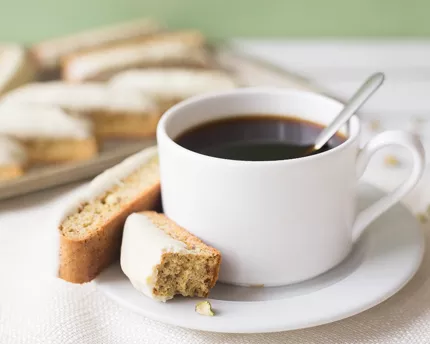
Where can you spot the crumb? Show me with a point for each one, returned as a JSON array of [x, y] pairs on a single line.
[[422, 217], [257, 285], [375, 125], [391, 160], [204, 308]]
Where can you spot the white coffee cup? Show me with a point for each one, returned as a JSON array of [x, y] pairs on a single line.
[[275, 222]]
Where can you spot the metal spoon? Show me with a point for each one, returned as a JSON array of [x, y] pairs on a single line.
[[357, 100]]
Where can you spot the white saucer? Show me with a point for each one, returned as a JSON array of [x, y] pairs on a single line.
[[382, 262]]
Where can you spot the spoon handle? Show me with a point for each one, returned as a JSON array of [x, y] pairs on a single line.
[[358, 99]]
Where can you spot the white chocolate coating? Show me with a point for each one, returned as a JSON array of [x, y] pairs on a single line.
[[143, 245], [12, 59], [153, 52], [50, 52], [11, 152], [180, 83], [85, 97], [25, 121]]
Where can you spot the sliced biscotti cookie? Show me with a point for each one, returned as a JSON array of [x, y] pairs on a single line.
[[184, 48], [16, 67], [13, 158], [48, 54], [172, 85], [91, 228], [162, 259], [119, 113], [49, 134]]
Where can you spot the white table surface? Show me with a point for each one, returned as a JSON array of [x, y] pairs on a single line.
[[339, 66]]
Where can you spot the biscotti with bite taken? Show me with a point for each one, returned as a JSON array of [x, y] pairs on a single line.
[[91, 228], [116, 113], [162, 259], [172, 49]]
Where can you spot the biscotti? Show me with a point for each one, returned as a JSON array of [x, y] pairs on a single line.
[[115, 112], [91, 228], [48, 133], [184, 48], [48, 54], [172, 85], [13, 158], [162, 259], [16, 67]]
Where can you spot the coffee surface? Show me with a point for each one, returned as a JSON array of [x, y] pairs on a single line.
[[255, 138]]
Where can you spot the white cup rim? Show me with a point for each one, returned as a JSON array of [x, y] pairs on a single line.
[[166, 117]]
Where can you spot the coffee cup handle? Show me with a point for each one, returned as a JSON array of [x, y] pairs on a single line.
[[388, 138]]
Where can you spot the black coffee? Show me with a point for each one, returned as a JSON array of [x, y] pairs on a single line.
[[255, 138]]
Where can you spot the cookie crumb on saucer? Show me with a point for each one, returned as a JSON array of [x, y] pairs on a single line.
[[391, 161], [204, 308]]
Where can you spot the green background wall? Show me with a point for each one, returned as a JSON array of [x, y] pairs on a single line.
[[31, 20]]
